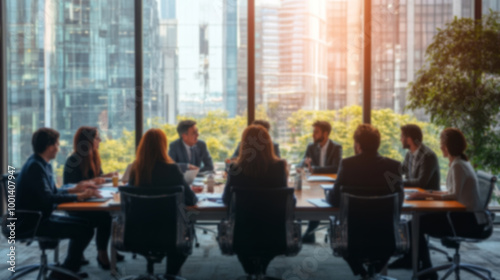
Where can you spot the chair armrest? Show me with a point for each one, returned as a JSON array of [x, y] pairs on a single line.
[[225, 237], [338, 237], [22, 216], [402, 238]]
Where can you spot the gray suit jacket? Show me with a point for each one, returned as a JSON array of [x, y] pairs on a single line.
[[179, 154], [426, 174]]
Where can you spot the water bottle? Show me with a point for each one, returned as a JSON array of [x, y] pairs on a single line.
[[210, 183], [298, 181]]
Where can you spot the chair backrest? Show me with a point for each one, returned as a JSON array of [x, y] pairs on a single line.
[[263, 220], [372, 224], [152, 218], [486, 185]]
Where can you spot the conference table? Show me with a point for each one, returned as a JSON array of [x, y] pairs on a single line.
[[206, 210]]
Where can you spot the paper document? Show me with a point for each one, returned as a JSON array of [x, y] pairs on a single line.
[[328, 187], [319, 202], [190, 175]]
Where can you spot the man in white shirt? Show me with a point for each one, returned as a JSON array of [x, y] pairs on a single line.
[[322, 157]]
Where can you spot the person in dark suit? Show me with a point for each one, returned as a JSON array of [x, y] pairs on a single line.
[[36, 191], [420, 165], [322, 156], [85, 164], [256, 167], [188, 151], [370, 170], [267, 126], [154, 168]]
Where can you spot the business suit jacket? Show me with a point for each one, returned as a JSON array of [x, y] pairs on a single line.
[[168, 175], [276, 147], [275, 177], [36, 190], [73, 174], [367, 170], [426, 174], [332, 161], [179, 154]]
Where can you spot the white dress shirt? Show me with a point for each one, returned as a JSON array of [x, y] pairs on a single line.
[[322, 157], [188, 150]]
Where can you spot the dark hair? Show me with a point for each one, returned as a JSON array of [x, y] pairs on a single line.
[[413, 131], [454, 140], [43, 138], [324, 126], [184, 126], [264, 123], [368, 138], [83, 146]]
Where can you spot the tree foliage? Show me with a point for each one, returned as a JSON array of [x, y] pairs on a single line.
[[459, 85]]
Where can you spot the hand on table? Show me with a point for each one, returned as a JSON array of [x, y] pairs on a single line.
[[82, 186], [88, 193], [192, 167], [98, 180]]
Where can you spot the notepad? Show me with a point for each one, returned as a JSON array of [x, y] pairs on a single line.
[[320, 179], [319, 202], [407, 205], [410, 190]]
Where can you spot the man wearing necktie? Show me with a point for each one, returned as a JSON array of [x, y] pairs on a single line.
[[189, 152]]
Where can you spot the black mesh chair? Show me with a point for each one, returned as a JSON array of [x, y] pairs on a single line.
[[482, 221], [260, 225], [153, 223], [368, 229]]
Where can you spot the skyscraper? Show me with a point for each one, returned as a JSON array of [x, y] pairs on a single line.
[[71, 63]]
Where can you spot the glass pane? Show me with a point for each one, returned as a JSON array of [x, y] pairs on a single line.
[[70, 64], [195, 66], [402, 31], [308, 60]]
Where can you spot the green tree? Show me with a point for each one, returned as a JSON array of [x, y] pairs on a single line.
[[459, 85]]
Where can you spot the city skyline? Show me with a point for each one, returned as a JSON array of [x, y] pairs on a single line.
[[78, 57]]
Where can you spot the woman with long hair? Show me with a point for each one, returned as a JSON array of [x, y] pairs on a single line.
[[85, 164], [462, 186], [256, 166], [153, 167]]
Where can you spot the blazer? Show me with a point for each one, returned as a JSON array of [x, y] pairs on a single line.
[[426, 174], [276, 147], [72, 173], [179, 154], [275, 177], [367, 170], [36, 190], [332, 161], [168, 175]]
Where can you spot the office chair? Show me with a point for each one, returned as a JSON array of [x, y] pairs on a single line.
[[153, 223], [483, 231], [369, 230], [260, 230], [26, 233]]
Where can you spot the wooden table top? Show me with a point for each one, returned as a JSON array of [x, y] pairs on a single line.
[[309, 191]]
